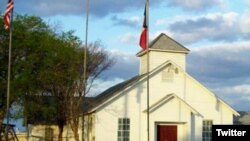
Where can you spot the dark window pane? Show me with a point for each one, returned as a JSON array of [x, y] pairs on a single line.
[[207, 130], [123, 129], [120, 121]]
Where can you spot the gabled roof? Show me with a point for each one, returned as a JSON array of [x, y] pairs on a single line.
[[168, 98], [92, 102], [165, 43], [161, 43], [107, 93]]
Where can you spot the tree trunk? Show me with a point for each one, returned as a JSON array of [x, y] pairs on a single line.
[[76, 135], [74, 127], [2, 131], [75, 115], [60, 135]]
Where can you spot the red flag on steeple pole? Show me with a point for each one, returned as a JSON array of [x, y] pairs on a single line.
[[143, 37], [144, 45]]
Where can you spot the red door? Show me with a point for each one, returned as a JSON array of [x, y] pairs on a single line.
[[167, 133]]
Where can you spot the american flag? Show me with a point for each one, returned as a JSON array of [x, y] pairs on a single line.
[[7, 14]]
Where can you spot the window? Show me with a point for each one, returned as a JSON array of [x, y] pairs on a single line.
[[123, 129], [207, 130], [169, 73], [167, 76], [48, 134]]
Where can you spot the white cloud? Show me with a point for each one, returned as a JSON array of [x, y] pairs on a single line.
[[157, 33], [237, 96], [134, 19], [224, 68], [230, 18], [247, 1], [220, 62], [240, 90], [195, 5], [231, 48], [128, 38], [99, 8], [126, 65], [161, 22], [124, 56], [245, 22], [209, 27], [101, 85]]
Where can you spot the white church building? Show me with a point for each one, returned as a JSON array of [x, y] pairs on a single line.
[[179, 108]]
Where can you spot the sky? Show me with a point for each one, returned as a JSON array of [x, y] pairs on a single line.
[[217, 33]]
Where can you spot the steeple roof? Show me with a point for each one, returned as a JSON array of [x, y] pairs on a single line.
[[165, 43]]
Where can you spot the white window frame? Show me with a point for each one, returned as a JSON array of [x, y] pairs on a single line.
[[123, 133], [207, 130]]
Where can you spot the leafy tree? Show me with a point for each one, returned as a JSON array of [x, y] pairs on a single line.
[[26, 51], [46, 64], [43, 63]]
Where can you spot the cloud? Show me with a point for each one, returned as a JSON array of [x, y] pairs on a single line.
[[247, 1], [101, 85], [105, 7], [130, 22], [101, 8], [209, 27], [126, 66], [98, 8], [161, 22], [243, 89], [222, 62], [238, 95], [195, 5], [224, 68], [245, 22], [50, 8], [128, 38]]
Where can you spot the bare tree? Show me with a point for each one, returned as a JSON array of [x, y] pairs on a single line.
[[98, 60]]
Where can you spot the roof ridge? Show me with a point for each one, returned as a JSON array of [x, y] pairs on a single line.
[[167, 44]]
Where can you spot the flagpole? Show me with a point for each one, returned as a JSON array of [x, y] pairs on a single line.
[[86, 45], [147, 50], [85, 59], [8, 79]]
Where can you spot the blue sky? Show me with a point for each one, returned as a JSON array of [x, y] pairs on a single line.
[[217, 32]]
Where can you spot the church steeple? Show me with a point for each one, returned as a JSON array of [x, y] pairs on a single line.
[[162, 49]]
